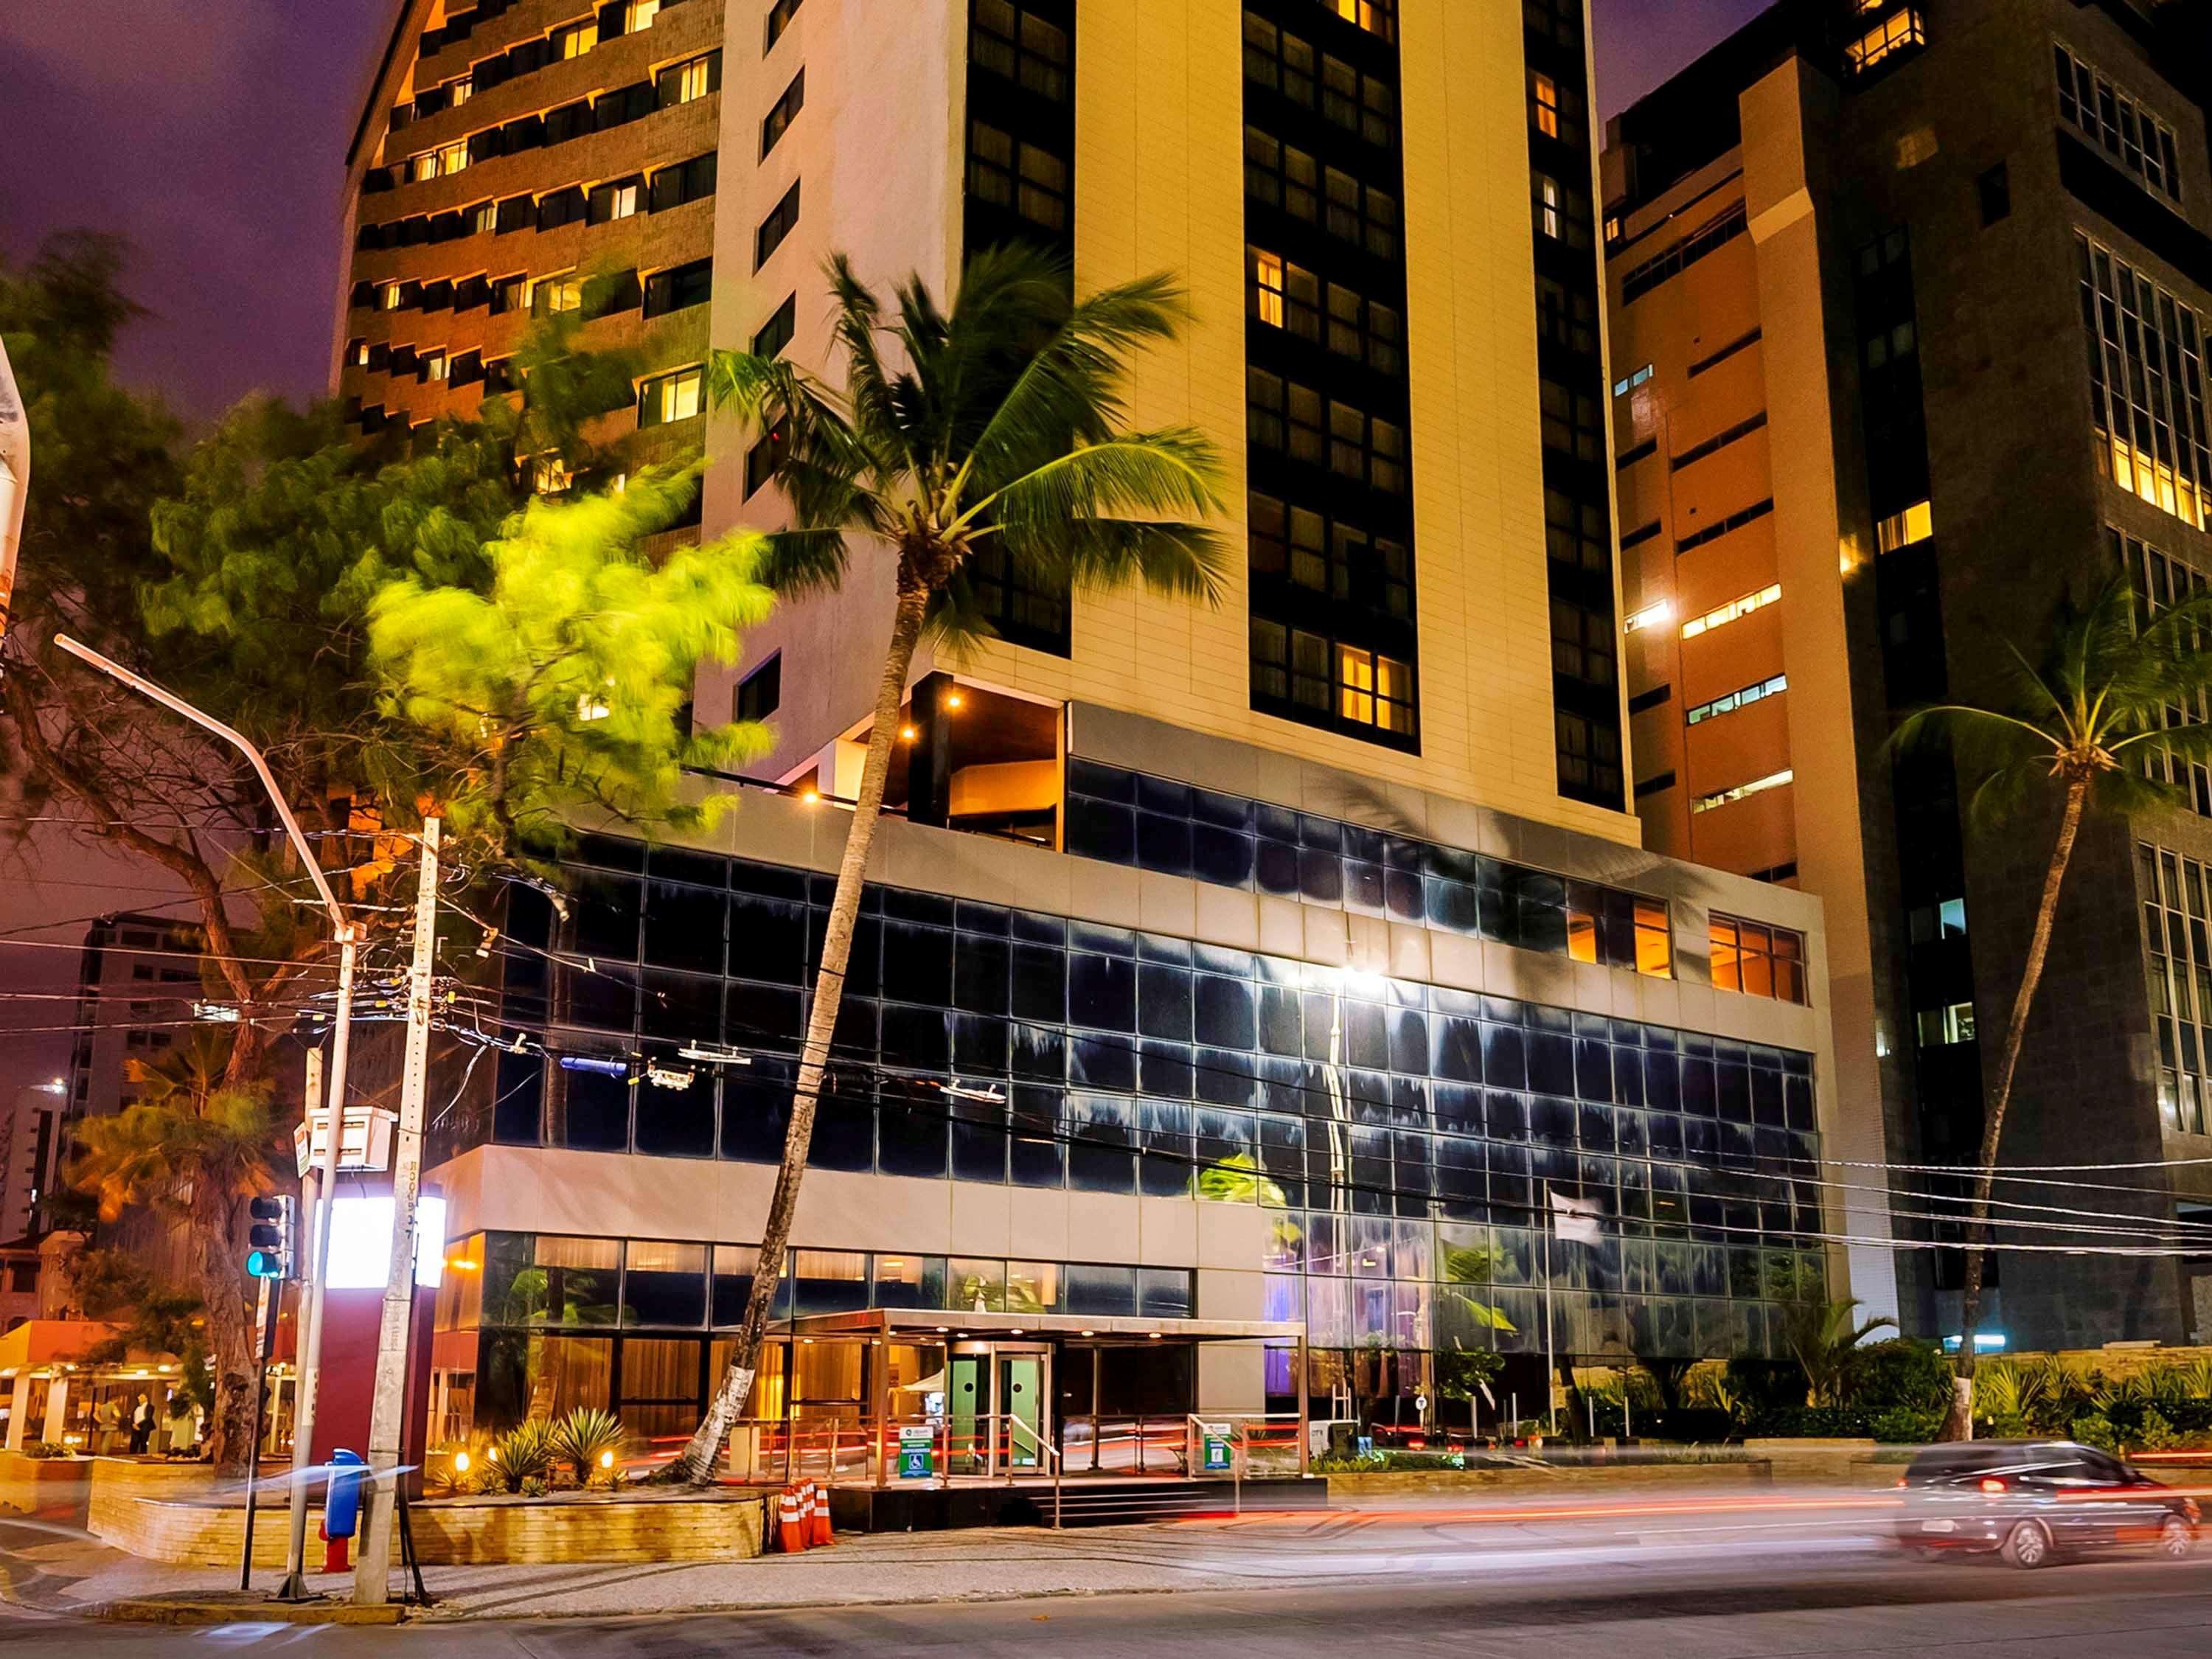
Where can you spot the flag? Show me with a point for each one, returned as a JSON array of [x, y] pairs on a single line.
[[1575, 1218]]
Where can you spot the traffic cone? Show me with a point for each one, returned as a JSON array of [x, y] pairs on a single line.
[[818, 1528], [791, 1522]]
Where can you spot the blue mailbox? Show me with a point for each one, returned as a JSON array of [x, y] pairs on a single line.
[[341, 1499]]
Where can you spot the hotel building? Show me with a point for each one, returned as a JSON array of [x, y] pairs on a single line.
[[1238, 983]]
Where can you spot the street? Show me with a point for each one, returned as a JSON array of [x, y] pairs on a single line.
[[1658, 1580]]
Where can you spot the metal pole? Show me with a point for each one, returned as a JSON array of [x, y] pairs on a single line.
[[265, 1335], [372, 1572], [307, 1373]]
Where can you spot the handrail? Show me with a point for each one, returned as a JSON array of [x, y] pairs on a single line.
[[1050, 1451]]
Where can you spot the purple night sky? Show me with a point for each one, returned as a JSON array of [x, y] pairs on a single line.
[[212, 135]]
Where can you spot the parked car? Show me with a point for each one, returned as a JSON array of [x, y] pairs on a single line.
[[2031, 1500]]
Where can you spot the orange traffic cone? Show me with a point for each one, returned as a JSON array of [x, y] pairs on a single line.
[[791, 1522], [818, 1528]]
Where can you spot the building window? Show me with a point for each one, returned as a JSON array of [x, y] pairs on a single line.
[[2178, 974], [1720, 527], [1281, 415], [1895, 35], [778, 225], [1735, 700], [1715, 233], [1622, 388], [1649, 616], [1619, 930], [1939, 1027], [2109, 117], [679, 288], [1566, 319], [1337, 683], [1917, 523], [783, 113], [777, 332], [639, 14], [683, 182], [1724, 613], [1582, 642], [1373, 689], [1589, 753], [552, 295], [2160, 582], [618, 199], [1721, 798], [1329, 557], [1020, 176], [671, 396], [508, 294], [1561, 212], [1376, 16], [1019, 42], [575, 40], [1573, 424], [694, 78], [1278, 61], [779, 19], [765, 458], [1555, 109], [2146, 385], [1758, 960], [1575, 533], [760, 694], [431, 365], [1282, 175], [1994, 189]]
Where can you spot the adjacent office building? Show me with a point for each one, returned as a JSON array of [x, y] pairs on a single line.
[[1238, 983], [1908, 306]]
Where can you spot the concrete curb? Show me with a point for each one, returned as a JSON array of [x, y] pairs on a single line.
[[154, 1610]]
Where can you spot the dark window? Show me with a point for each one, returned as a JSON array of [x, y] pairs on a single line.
[[1021, 177], [1995, 188], [776, 333], [779, 19], [1651, 699], [761, 692], [1652, 786], [1017, 42], [686, 182], [762, 459], [777, 226], [783, 113], [679, 288]]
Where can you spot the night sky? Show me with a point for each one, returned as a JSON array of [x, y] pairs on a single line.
[[212, 133]]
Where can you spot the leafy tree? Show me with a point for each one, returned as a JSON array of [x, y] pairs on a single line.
[[998, 425], [246, 575], [2079, 723]]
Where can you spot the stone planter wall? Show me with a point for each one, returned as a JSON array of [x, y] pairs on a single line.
[[1521, 1481], [46, 1487]]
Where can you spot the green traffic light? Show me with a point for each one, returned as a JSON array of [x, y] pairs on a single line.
[[265, 1264]]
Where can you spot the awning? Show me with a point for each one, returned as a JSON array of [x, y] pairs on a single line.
[[928, 1324]]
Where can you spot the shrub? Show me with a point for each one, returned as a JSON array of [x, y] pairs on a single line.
[[2011, 1427], [535, 1487], [1761, 1386], [2094, 1430], [43, 1449], [1905, 1425], [2155, 1434], [584, 1438], [1898, 1375], [524, 1453]]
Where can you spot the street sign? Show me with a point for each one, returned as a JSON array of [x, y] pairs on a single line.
[[917, 1451], [1217, 1447], [366, 1144]]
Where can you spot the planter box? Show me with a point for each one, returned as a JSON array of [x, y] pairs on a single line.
[[1385, 1483], [48, 1486]]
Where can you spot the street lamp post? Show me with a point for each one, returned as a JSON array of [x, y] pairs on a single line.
[[294, 1586], [15, 480]]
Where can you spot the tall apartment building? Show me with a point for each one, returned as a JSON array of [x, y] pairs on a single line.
[[1907, 305], [1234, 977], [30, 1153]]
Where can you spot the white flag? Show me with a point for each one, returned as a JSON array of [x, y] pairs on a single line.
[[1575, 1218]]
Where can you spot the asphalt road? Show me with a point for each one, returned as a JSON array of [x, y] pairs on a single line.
[[1613, 1605]]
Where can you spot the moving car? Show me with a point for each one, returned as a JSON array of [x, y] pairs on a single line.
[[2030, 1500]]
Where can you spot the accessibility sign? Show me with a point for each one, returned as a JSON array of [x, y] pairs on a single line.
[[917, 1451]]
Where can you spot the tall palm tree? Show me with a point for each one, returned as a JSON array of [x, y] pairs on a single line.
[[2087, 723], [1820, 1336], [997, 424]]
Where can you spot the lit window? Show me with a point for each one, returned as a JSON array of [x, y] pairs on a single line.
[[452, 158], [1735, 608], [1743, 791], [422, 167], [1940, 1026], [551, 295], [1374, 690], [1268, 274], [1547, 104], [387, 297], [1884, 40], [550, 476], [462, 90], [1551, 200], [666, 397], [433, 366], [692, 83], [1758, 960], [1649, 616], [1622, 388], [1735, 700], [576, 39], [640, 15], [1915, 523], [1376, 16]]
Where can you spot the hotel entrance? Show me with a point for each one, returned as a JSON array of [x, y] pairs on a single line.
[[997, 1414]]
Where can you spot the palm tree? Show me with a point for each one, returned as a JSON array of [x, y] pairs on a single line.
[[997, 425], [2088, 722], [1820, 1336], [195, 1146]]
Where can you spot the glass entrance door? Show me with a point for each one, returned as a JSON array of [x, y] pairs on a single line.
[[995, 1408], [1021, 1404]]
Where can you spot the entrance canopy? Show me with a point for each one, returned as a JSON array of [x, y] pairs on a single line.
[[923, 1324]]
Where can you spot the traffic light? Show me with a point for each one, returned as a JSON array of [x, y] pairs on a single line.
[[274, 1236]]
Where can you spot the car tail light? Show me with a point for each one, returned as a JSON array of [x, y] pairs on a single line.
[[1992, 1484], [1902, 1483]]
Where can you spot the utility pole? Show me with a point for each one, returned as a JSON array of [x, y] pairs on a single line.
[[348, 936], [372, 1572]]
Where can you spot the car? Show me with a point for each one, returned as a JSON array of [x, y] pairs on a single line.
[[2031, 1501]]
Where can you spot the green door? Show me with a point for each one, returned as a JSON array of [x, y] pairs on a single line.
[[1021, 1397], [965, 1375]]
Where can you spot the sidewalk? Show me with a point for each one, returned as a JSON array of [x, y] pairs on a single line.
[[75, 1577]]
